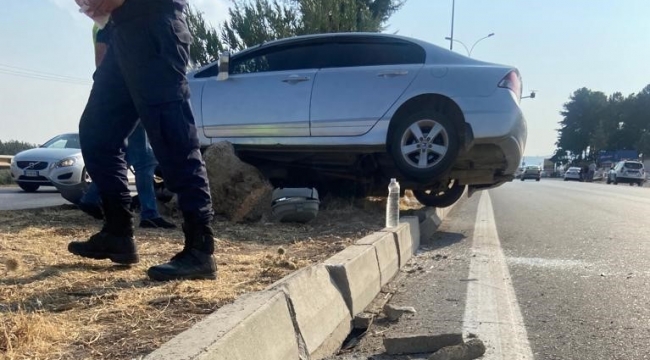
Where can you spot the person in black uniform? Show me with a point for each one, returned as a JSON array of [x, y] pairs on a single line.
[[143, 76]]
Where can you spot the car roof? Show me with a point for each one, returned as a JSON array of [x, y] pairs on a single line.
[[433, 52]]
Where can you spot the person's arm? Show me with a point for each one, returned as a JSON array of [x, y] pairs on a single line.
[[101, 40], [95, 8], [100, 52]]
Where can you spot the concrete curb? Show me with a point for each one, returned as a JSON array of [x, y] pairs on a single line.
[[308, 314]]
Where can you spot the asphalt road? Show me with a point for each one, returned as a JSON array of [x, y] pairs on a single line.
[[14, 198], [538, 270]]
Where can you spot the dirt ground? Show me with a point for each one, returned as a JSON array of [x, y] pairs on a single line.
[[57, 306]]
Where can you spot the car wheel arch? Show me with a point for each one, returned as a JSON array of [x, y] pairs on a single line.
[[432, 101]]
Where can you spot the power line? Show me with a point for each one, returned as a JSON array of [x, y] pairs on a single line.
[[39, 75]]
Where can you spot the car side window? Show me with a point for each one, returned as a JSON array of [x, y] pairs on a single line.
[[368, 53], [280, 58]]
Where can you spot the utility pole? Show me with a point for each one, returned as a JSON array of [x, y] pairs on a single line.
[[451, 38]]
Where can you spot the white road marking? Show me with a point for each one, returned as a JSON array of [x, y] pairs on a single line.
[[492, 311], [547, 263]]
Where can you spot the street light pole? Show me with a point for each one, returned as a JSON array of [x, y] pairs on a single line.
[[479, 40], [451, 39], [469, 51], [460, 42]]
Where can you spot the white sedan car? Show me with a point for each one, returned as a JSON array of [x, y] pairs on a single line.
[[57, 163], [573, 173], [355, 109], [59, 160]]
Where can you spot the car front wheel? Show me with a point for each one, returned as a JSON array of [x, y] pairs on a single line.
[[27, 187], [440, 198], [424, 145]]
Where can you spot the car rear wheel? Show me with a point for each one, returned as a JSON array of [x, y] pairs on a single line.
[[27, 187], [440, 198], [424, 145]]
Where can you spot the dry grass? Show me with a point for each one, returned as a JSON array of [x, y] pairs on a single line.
[[57, 306]]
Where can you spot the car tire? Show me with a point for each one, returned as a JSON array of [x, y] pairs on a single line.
[[440, 199], [522, 179], [566, 179], [27, 187], [406, 145]]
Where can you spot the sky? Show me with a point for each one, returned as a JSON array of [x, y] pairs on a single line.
[[557, 45]]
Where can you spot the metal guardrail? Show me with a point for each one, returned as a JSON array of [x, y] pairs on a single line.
[[5, 161]]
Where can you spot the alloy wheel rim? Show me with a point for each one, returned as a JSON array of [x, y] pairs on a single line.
[[424, 144]]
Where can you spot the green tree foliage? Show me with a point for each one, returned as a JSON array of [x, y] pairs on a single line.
[[13, 147], [593, 122], [253, 22], [325, 16], [206, 44], [258, 21]]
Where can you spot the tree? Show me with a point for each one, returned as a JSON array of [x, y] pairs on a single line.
[[593, 122], [254, 22], [582, 116], [258, 21], [206, 45], [643, 145], [13, 147], [324, 16]]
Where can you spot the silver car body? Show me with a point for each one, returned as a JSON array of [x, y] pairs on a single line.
[[58, 163], [41, 165], [628, 171], [573, 173], [352, 107]]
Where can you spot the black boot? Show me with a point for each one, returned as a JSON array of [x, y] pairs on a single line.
[[195, 261], [115, 240]]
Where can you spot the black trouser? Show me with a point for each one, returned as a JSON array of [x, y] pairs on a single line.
[[143, 77]]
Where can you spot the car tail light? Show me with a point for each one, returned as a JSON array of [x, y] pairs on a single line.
[[512, 81]]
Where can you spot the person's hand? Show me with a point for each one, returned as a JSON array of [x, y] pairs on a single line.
[[103, 7]]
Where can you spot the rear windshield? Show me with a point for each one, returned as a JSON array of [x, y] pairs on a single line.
[[633, 165]]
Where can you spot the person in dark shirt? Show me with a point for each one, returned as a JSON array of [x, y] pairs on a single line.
[[143, 76]]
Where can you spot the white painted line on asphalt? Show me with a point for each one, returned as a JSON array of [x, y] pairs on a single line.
[[492, 311]]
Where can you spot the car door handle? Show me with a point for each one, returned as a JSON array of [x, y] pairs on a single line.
[[295, 79], [393, 73]]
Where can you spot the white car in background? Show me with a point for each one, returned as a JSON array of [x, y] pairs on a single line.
[[59, 159], [573, 173], [628, 171], [57, 163]]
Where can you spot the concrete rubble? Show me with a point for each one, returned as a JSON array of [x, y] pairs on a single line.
[[394, 313], [469, 350], [418, 344]]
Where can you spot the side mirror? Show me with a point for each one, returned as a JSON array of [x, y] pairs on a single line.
[[224, 66]]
